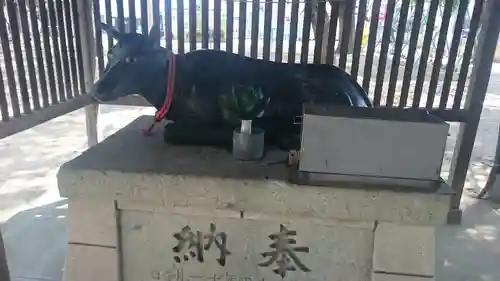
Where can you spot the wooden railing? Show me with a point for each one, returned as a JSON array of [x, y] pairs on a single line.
[[41, 59], [405, 53], [417, 53], [434, 55]]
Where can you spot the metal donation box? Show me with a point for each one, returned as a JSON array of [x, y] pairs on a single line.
[[372, 145]]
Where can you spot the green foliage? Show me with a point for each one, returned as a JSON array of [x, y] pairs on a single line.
[[243, 103]]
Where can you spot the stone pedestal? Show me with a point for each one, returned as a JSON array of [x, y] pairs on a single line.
[[140, 209]]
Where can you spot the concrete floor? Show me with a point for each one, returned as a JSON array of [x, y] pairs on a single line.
[[33, 216], [470, 252]]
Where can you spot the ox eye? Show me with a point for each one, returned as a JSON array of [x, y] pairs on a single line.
[[130, 60]]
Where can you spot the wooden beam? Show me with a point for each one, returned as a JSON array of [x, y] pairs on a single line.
[[478, 85], [492, 177], [35, 118], [85, 10], [4, 268], [91, 123]]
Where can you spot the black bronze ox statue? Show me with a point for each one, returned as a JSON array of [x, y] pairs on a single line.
[[213, 91]]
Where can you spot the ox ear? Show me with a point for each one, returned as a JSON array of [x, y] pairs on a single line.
[[111, 31], [155, 34]]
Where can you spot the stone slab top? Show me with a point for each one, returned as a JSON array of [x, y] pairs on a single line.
[[128, 151], [129, 166]]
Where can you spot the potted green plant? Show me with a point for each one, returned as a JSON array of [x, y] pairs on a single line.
[[243, 104]]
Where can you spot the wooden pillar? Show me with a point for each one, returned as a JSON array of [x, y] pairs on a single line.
[[153, 15], [91, 123], [478, 84], [4, 268], [85, 10], [492, 187]]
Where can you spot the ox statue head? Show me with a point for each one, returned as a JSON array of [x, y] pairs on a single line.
[[133, 61]]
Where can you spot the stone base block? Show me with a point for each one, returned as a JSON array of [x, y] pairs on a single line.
[[92, 222], [165, 246], [404, 250], [84, 263]]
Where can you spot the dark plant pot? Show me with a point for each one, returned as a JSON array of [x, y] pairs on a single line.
[[248, 146]]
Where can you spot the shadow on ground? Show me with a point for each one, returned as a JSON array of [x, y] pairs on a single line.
[[30, 159], [33, 213], [36, 242], [470, 252]]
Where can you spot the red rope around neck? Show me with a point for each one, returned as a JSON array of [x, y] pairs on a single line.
[[160, 114]]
